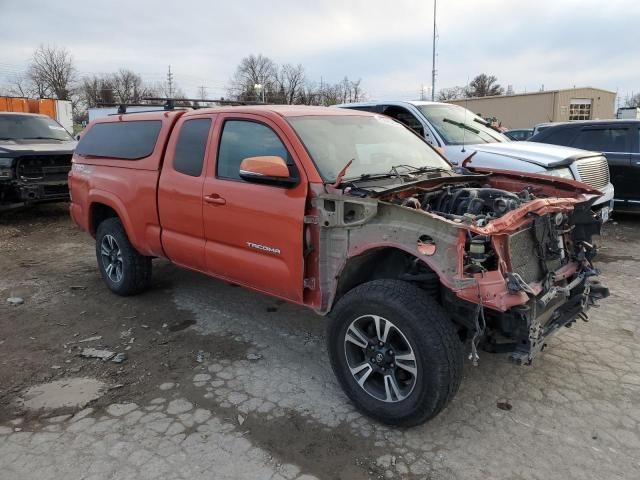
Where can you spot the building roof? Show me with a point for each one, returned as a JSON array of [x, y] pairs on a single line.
[[543, 92]]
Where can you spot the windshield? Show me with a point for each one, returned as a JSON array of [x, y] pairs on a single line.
[[376, 144], [21, 127], [458, 126]]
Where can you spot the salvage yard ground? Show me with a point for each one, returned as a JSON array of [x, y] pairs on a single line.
[[215, 381]]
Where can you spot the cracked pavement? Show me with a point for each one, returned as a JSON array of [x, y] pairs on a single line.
[[267, 404]]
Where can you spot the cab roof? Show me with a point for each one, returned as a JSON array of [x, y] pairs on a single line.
[[280, 110]]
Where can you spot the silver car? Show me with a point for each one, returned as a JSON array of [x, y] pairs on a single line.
[[458, 133]]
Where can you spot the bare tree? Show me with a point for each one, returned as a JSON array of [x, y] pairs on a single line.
[[52, 72], [25, 85], [633, 101], [162, 90], [484, 85], [20, 86], [128, 87], [96, 89], [332, 94], [254, 70], [288, 84], [291, 81], [345, 91], [309, 94], [446, 94], [357, 94]]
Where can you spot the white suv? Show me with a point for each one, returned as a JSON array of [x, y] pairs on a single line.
[[459, 132]]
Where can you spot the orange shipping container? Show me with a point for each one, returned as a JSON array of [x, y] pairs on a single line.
[[44, 106], [14, 104]]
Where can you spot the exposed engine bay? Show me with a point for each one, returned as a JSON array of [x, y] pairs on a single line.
[[476, 199], [481, 204]]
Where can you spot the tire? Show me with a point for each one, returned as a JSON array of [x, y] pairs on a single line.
[[132, 271], [415, 318]]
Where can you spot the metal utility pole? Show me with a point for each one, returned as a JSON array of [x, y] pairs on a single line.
[[170, 82], [433, 70], [203, 92]]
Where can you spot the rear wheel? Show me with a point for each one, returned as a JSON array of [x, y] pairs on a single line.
[[395, 352], [123, 269]]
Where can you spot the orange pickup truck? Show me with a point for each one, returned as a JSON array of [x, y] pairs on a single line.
[[355, 216]]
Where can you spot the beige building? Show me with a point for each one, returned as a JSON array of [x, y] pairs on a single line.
[[524, 110]]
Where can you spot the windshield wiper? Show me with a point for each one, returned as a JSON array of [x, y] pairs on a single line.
[[414, 169], [461, 125], [394, 172], [341, 174]]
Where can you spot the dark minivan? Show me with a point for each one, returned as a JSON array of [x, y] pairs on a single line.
[[619, 140]]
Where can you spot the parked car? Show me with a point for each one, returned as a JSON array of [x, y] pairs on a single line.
[[618, 140], [519, 134], [541, 127], [354, 216], [459, 133], [35, 159]]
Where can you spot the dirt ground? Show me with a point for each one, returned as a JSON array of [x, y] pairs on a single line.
[[578, 407], [51, 264]]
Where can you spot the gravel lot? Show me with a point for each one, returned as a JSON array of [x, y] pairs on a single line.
[[220, 382]]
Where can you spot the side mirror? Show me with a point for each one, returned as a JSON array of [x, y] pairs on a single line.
[[266, 169], [78, 137]]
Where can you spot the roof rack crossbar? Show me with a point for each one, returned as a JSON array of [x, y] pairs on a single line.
[[172, 103]]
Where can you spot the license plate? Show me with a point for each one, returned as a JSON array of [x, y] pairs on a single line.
[[604, 214]]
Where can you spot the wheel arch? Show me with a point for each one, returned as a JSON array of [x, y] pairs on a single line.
[[103, 205], [380, 262]]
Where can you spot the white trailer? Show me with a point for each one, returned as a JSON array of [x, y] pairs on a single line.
[[64, 114], [629, 113]]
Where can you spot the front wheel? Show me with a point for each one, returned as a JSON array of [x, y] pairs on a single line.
[[395, 352], [123, 269]]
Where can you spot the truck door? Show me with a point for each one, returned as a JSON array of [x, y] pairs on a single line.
[[180, 191], [615, 143], [254, 232]]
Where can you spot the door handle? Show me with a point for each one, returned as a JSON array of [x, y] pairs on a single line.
[[214, 199]]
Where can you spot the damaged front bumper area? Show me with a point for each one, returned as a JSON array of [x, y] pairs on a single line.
[[547, 281], [562, 304], [33, 179]]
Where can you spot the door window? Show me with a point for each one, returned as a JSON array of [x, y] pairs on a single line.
[[131, 140], [603, 140], [560, 136], [405, 117], [243, 139], [191, 146]]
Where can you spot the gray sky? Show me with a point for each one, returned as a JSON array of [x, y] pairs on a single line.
[[558, 43]]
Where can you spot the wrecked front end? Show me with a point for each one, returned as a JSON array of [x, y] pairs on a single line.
[[28, 178], [520, 284], [508, 255]]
